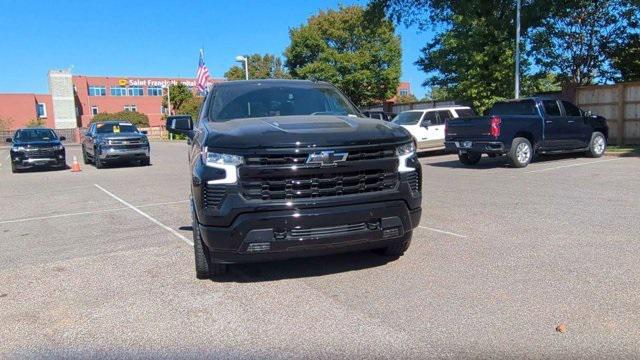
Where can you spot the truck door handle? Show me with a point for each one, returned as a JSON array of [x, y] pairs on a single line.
[[549, 121], [571, 121]]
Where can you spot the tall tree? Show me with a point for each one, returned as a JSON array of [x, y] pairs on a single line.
[[265, 66], [472, 56], [179, 93], [626, 58], [359, 55], [576, 41]]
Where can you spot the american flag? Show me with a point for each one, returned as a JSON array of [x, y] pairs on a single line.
[[202, 77]]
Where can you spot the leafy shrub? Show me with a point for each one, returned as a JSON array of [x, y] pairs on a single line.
[[34, 123], [133, 117]]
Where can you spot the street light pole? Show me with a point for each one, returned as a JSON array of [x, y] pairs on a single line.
[[241, 58], [517, 90]]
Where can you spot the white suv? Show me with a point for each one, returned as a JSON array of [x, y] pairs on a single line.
[[427, 125]]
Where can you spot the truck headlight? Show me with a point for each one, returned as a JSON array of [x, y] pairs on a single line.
[[18, 148], [227, 162], [58, 147], [404, 152]]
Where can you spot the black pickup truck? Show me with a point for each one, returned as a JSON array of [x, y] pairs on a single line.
[[289, 168], [115, 141], [522, 128]]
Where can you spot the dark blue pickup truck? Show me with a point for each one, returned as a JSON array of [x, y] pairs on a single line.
[[522, 128]]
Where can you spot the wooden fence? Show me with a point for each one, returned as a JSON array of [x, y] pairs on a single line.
[[620, 104]]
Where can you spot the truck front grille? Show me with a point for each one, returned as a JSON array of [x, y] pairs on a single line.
[[300, 158], [40, 152], [212, 195], [326, 231], [319, 185]]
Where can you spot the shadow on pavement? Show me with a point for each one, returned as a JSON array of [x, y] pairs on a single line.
[[303, 267], [502, 161]]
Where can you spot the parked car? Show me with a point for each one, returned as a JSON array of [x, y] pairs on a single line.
[[380, 115], [115, 141], [522, 128], [291, 168], [427, 125], [36, 147]]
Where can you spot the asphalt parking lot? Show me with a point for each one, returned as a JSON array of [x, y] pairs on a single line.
[[100, 263]]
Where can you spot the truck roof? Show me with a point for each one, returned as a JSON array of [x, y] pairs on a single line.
[[270, 82]]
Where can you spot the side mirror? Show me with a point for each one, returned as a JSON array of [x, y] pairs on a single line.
[[9, 140], [426, 123], [87, 134], [144, 132], [63, 138], [180, 124], [588, 113]]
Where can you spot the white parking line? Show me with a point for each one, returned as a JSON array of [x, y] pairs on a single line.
[[180, 236], [572, 165], [442, 231], [86, 212]]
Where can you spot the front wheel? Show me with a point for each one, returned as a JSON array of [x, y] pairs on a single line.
[[205, 268], [146, 161], [469, 158], [597, 146], [97, 161], [85, 157], [521, 152]]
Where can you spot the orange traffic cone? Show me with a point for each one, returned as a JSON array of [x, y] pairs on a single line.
[[75, 167]]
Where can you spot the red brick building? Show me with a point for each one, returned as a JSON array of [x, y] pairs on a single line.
[[74, 99]]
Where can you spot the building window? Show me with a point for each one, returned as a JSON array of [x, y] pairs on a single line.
[[41, 110], [97, 91], [404, 92], [94, 110], [154, 91], [133, 108], [127, 91]]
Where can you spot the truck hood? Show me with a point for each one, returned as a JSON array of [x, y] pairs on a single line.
[[303, 131]]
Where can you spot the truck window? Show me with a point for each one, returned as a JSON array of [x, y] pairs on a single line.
[[465, 113], [431, 116], [522, 107], [443, 116], [408, 118], [551, 107], [570, 109]]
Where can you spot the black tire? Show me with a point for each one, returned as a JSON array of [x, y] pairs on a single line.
[[96, 160], [146, 161], [396, 249], [470, 158], [521, 152], [597, 145], [205, 269], [14, 169], [85, 157]]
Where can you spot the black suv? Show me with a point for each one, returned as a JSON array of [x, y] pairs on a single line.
[[37, 147], [115, 141], [284, 168]]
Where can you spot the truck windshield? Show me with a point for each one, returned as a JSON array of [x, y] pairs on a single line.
[[256, 99], [523, 107], [407, 118], [35, 135], [115, 128]]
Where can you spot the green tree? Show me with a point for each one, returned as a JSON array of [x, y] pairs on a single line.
[[136, 118], [358, 54], [191, 107], [626, 58], [35, 123], [472, 55], [405, 99], [179, 93], [265, 66], [576, 42]]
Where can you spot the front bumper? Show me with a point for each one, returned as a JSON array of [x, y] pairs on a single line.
[[23, 160], [265, 236], [485, 147], [112, 153]]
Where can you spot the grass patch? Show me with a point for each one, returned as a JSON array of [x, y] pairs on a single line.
[[624, 149]]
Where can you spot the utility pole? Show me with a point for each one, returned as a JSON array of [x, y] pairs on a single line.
[[517, 90]]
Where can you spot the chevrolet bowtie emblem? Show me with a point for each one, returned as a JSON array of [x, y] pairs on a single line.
[[327, 158]]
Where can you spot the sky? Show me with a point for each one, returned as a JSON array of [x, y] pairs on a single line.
[[155, 38]]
